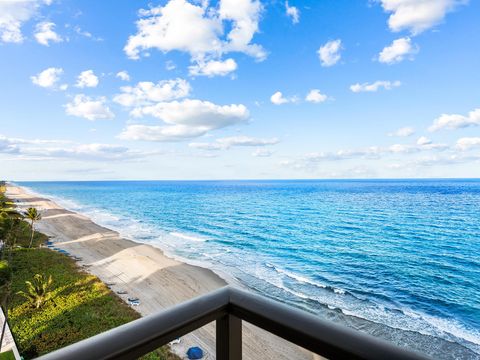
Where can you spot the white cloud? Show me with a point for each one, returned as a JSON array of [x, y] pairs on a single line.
[[87, 79], [292, 12], [262, 153], [123, 75], [48, 78], [89, 108], [423, 140], [213, 68], [13, 14], [96, 152], [244, 16], [198, 30], [467, 143], [373, 87], [329, 53], [417, 15], [403, 132], [184, 119], [315, 96], [45, 32], [228, 142], [370, 153], [397, 51], [59, 149], [147, 93], [86, 34], [456, 121], [278, 98], [6, 146]]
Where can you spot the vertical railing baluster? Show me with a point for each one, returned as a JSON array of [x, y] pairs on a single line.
[[229, 338]]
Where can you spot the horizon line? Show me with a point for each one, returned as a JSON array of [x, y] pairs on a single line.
[[253, 179]]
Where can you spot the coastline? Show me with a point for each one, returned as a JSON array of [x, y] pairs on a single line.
[[146, 272]]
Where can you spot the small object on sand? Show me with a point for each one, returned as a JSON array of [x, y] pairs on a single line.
[[195, 353], [175, 342], [133, 301]]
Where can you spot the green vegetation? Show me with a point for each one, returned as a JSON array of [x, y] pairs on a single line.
[[51, 302], [82, 305], [7, 355], [38, 290]]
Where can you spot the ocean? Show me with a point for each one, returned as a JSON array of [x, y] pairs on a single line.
[[398, 259]]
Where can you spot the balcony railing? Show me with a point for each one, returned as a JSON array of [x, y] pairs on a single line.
[[228, 307]]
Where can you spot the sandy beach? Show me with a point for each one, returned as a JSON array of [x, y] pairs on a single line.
[[145, 272]]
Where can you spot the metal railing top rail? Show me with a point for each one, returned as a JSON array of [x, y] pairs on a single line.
[[227, 305]]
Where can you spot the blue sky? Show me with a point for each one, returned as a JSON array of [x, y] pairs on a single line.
[[236, 89]]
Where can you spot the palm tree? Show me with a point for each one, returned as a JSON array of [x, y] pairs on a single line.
[[38, 291], [33, 215]]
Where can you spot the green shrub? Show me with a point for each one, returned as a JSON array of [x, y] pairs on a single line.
[[7, 355], [82, 305], [5, 272]]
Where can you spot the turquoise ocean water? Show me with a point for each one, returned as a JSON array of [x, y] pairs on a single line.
[[397, 259]]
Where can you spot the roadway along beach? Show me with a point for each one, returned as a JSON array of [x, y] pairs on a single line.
[[144, 271]]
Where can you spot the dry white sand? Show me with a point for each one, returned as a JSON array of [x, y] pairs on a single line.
[[144, 271]]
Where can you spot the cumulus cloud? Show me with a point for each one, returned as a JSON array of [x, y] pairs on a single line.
[[198, 30], [233, 141], [147, 93], [292, 12], [13, 14], [123, 75], [213, 68], [87, 79], [278, 98], [456, 121], [48, 78], [374, 87], [397, 51], [417, 15], [329, 53], [184, 119], [467, 143], [89, 108], [315, 96], [45, 33], [403, 132]]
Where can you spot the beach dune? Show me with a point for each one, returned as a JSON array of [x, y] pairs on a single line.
[[145, 272]]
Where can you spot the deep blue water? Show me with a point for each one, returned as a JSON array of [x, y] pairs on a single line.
[[397, 259]]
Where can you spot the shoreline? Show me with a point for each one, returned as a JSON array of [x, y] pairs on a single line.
[[62, 203], [146, 272]]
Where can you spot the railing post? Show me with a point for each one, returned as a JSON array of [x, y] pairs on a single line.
[[229, 338]]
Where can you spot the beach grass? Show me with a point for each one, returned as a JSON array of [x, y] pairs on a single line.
[[82, 306]]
